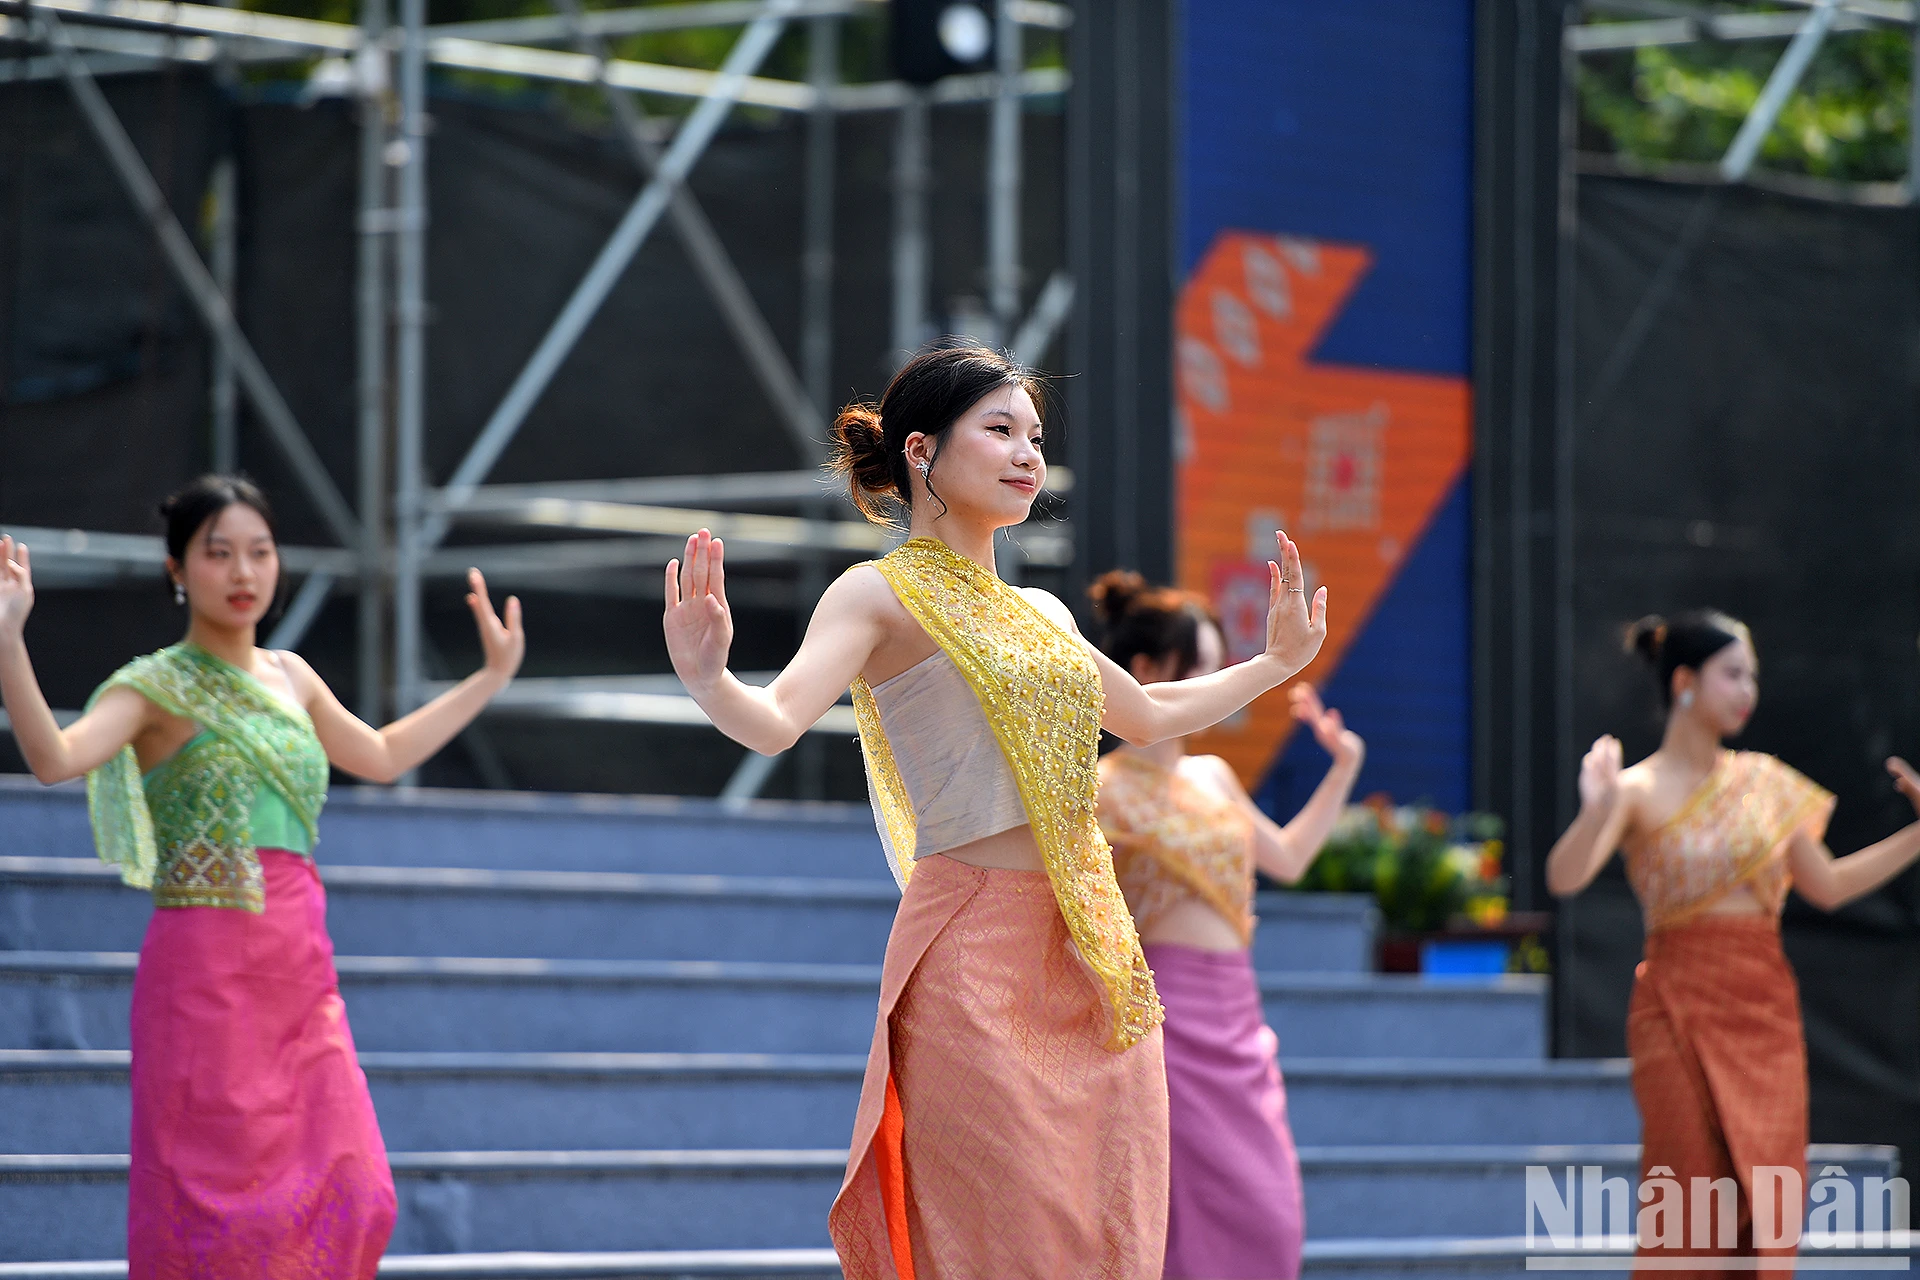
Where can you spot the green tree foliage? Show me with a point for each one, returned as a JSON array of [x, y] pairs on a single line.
[[1849, 121]]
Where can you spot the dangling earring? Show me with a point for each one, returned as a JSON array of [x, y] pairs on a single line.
[[179, 593], [1686, 699], [924, 467]]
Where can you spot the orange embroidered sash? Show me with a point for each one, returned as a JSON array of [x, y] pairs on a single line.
[[1173, 842]]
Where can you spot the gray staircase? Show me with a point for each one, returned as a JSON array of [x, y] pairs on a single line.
[[613, 1037]]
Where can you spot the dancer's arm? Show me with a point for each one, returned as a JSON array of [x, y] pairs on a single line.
[[52, 753], [381, 755], [1285, 852], [1146, 714], [845, 629], [1831, 883], [1606, 809]]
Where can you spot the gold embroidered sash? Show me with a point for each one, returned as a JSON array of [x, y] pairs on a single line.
[[1041, 695], [1733, 831], [1172, 843], [188, 837]]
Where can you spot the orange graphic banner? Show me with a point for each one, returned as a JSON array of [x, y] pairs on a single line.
[[1352, 462]]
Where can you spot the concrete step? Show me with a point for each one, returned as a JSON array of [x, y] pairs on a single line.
[[64, 999], [1441, 1258], [70, 903], [71, 1101], [499, 830], [468, 1202], [1482, 1190], [484, 1201], [734, 1264], [1435, 1258]]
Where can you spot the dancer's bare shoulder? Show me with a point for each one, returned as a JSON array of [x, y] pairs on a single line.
[[1051, 608], [1638, 790], [895, 641]]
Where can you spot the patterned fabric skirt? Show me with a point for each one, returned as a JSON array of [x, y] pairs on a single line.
[[1236, 1210], [255, 1150], [997, 1136], [1720, 1075]]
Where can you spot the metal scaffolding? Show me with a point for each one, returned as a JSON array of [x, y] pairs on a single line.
[[390, 541]]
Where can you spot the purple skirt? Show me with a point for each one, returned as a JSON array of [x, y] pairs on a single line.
[[1236, 1211]]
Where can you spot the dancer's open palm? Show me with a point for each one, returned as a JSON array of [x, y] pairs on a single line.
[[1600, 773], [16, 586], [1906, 780], [504, 642], [698, 623], [1294, 632], [1328, 726]]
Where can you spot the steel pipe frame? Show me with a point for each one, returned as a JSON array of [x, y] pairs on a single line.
[[641, 217], [648, 18], [1670, 23], [733, 491], [255, 36], [715, 266], [201, 288], [241, 35], [1781, 83]]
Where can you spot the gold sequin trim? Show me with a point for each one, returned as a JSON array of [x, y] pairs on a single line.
[[1041, 695]]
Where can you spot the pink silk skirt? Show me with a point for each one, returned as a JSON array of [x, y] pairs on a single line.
[[997, 1136], [255, 1150], [1235, 1210]]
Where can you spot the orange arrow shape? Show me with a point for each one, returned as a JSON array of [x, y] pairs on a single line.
[[1351, 462]]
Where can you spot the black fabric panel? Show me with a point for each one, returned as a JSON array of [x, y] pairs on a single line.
[[521, 200], [103, 365], [1759, 452]]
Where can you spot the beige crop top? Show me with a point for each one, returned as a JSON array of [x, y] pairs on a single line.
[[953, 768]]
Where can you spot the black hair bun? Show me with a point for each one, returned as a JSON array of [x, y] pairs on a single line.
[[1648, 637], [1114, 592]]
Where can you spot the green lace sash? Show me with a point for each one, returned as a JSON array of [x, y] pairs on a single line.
[[188, 836]]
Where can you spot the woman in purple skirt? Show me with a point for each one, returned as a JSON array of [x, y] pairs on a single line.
[[1186, 839]]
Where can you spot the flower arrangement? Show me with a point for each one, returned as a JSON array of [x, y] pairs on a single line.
[[1425, 869]]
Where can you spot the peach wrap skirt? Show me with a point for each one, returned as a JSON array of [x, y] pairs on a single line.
[[997, 1136], [1719, 1070]]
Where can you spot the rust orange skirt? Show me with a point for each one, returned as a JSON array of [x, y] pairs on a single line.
[[1719, 1067], [996, 1133]]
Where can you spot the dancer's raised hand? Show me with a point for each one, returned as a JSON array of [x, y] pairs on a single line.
[[16, 587], [1906, 780], [504, 643], [1600, 774], [1294, 632], [1329, 727], [698, 623]]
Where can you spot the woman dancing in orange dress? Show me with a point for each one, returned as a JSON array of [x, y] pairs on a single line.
[[1013, 1121], [1712, 840]]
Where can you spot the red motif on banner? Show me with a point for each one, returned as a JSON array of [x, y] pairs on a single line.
[[1352, 462]]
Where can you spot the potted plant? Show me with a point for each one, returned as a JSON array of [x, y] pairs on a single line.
[[1437, 880]]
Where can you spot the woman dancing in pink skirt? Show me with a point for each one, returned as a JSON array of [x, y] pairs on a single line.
[[255, 1152], [1186, 839]]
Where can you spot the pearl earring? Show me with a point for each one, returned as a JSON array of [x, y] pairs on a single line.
[[1686, 699], [179, 594]]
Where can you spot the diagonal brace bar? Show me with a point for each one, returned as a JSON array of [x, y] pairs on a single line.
[[199, 284], [1780, 86], [642, 216], [710, 258]]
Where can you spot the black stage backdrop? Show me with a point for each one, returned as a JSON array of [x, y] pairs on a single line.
[[106, 367], [1745, 435]]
